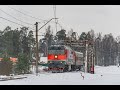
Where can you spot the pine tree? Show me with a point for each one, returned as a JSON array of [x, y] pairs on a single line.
[[22, 66]]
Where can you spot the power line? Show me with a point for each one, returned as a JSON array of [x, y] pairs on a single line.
[[15, 18], [26, 14], [13, 22], [7, 25], [54, 8]]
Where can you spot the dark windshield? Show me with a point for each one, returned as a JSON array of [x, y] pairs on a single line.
[[56, 50]]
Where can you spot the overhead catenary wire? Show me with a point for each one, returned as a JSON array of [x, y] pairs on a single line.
[[28, 29], [29, 15], [15, 18], [26, 14], [11, 21], [14, 22], [56, 21]]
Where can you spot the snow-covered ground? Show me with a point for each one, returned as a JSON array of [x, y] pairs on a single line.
[[103, 76]]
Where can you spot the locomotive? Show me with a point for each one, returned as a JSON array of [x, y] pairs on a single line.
[[62, 58]]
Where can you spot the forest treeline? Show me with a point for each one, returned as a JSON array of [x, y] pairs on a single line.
[[15, 42]]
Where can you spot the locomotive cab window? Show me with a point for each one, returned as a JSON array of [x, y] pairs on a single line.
[[56, 50]]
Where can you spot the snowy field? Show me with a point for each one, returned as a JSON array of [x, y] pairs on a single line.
[[103, 76]]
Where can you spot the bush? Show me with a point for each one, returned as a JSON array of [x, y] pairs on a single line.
[[22, 66], [6, 66]]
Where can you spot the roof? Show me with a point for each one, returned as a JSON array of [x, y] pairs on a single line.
[[11, 58]]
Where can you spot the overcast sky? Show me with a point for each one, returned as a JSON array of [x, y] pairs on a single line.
[[81, 18]]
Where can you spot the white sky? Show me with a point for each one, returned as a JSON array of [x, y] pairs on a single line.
[[100, 18]]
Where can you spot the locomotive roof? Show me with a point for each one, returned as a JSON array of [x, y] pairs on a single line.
[[78, 52], [66, 47]]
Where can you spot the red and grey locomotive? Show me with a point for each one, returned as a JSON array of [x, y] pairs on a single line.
[[62, 58]]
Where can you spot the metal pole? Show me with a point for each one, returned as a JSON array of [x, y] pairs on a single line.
[[37, 54], [86, 56], [93, 64], [93, 58], [54, 8]]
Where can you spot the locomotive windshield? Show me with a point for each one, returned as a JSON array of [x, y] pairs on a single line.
[[56, 50]]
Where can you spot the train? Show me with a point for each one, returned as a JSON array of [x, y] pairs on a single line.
[[62, 58]]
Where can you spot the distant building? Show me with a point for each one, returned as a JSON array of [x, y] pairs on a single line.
[[14, 60]]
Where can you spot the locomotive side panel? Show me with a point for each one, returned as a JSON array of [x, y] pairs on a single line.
[[79, 61], [70, 58], [79, 58]]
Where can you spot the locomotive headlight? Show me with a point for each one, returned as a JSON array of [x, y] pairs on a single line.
[[60, 62], [56, 56]]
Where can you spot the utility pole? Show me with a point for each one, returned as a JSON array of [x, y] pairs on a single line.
[[54, 8], [37, 54], [92, 61], [93, 58], [86, 45]]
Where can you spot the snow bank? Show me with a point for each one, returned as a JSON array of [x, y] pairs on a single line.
[[103, 76], [107, 70]]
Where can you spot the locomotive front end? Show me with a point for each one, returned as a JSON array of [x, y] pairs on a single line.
[[56, 58]]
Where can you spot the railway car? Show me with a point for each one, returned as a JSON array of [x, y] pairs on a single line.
[[62, 58]]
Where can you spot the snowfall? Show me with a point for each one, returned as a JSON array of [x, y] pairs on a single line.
[[103, 76]]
